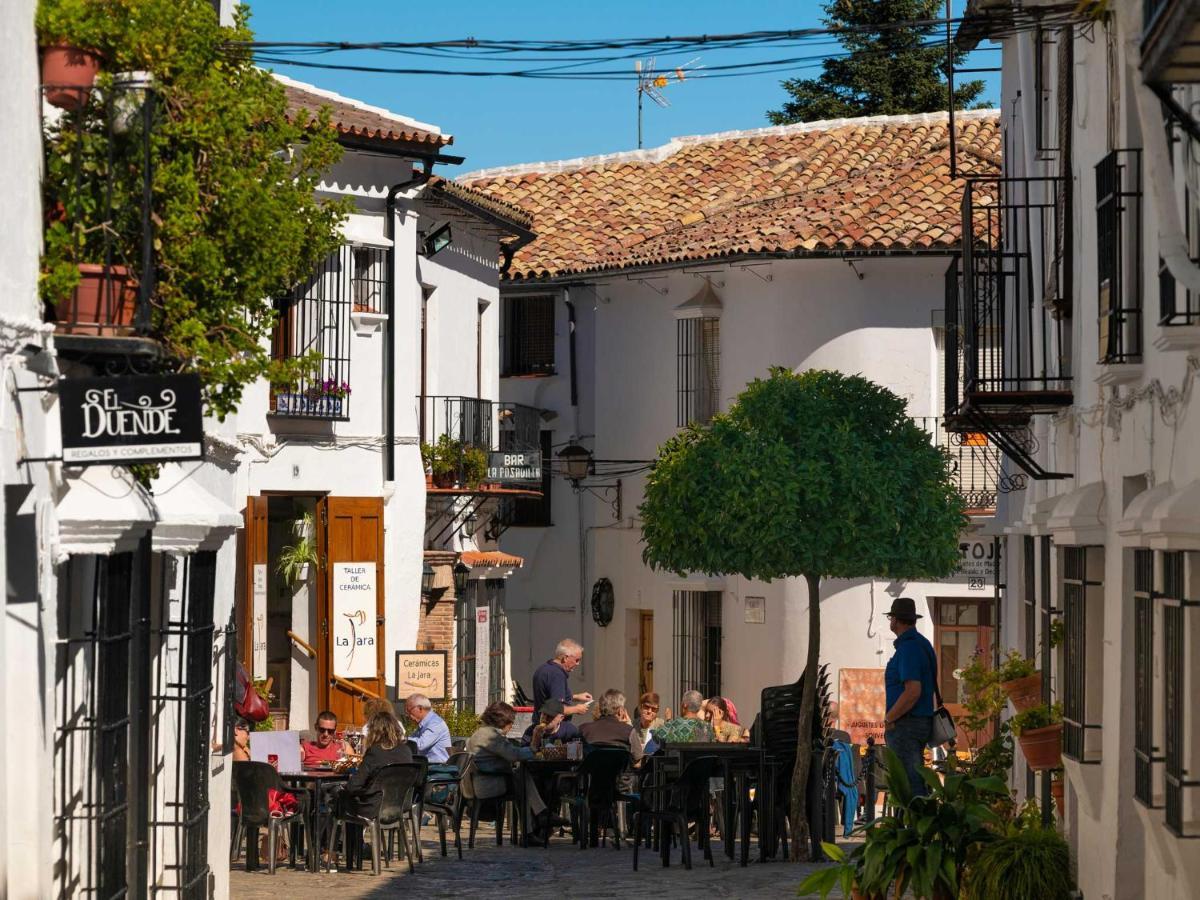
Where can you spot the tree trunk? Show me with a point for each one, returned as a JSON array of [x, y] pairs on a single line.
[[808, 702]]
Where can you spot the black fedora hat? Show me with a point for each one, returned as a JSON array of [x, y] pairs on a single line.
[[904, 608]]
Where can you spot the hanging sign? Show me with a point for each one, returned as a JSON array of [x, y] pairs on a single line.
[[483, 657], [133, 419], [421, 672], [354, 608], [259, 621], [515, 468]]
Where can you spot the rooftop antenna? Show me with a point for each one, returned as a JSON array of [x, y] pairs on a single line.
[[651, 83]]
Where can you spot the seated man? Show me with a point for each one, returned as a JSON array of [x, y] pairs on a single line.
[[690, 727], [326, 748], [551, 727], [613, 728], [432, 734]]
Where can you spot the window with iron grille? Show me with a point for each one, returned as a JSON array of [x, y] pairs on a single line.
[[536, 512], [1029, 564], [697, 640], [1181, 730], [314, 324], [1178, 305], [527, 336], [1083, 620], [698, 368], [1045, 82], [1119, 255], [368, 286], [481, 594], [1147, 743]]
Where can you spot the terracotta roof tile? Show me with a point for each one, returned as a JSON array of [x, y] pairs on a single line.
[[354, 119], [850, 184]]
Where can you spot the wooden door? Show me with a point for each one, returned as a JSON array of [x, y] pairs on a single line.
[[961, 629], [646, 653], [252, 628], [350, 659]]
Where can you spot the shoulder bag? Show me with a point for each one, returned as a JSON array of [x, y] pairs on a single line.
[[943, 730]]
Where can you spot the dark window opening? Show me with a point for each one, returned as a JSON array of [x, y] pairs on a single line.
[[698, 363], [481, 594], [527, 341], [1083, 626], [1146, 747], [1179, 731], [697, 638], [537, 512], [1119, 255]]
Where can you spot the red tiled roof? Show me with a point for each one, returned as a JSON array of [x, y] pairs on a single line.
[[491, 559], [354, 119], [480, 200], [850, 185]]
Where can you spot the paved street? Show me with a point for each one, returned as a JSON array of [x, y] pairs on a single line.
[[562, 870]]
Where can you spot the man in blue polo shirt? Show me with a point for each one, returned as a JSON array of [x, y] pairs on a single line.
[[550, 680], [908, 682]]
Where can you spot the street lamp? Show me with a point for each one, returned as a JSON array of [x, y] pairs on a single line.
[[427, 580], [577, 463], [461, 574]]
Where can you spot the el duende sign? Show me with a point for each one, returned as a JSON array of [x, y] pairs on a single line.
[[139, 418], [354, 650]]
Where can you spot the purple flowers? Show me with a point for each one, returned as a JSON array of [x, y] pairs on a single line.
[[332, 388]]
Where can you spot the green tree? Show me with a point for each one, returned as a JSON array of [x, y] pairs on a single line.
[[234, 205], [814, 475], [886, 70]]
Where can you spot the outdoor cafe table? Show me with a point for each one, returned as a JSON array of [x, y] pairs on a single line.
[[316, 782], [539, 770], [738, 762]]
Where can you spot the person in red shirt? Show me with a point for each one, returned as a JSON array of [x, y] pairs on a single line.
[[326, 748]]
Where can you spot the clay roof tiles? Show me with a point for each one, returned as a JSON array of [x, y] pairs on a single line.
[[849, 185]]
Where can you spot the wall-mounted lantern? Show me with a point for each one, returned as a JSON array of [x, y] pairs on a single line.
[[461, 573], [427, 581], [577, 463]]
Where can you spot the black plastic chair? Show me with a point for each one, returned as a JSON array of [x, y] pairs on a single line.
[[397, 782], [596, 792], [253, 781], [683, 800], [474, 803], [447, 811]]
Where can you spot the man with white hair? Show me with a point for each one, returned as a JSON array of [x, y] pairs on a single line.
[[432, 734], [689, 727], [614, 727], [550, 679]]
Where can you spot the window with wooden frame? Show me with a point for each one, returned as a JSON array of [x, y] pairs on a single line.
[[1147, 712], [1180, 599], [698, 369], [1083, 664], [527, 336]]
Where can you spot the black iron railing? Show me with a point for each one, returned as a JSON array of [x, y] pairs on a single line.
[[1082, 593], [527, 340], [976, 461], [1146, 750], [487, 424], [1119, 255], [97, 197], [698, 369], [1177, 305], [1179, 747], [1015, 286], [314, 324]]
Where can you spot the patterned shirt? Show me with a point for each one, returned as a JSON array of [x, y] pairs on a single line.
[[683, 731]]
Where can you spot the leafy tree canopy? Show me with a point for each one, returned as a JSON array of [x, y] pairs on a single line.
[[237, 221], [884, 72], [815, 473]]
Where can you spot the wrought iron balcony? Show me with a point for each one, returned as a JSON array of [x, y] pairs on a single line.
[[99, 263], [486, 424], [1119, 255], [976, 460], [1170, 41]]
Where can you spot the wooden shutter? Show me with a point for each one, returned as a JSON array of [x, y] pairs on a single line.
[[351, 531]]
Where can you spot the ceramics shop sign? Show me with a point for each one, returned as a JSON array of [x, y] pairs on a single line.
[[861, 704], [515, 468], [483, 657], [134, 419], [977, 562], [421, 672], [259, 621], [354, 650]]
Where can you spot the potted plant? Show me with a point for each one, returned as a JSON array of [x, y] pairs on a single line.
[[295, 560], [474, 466], [1020, 679], [69, 61], [441, 460], [1026, 862], [1039, 732], [1057, 790]]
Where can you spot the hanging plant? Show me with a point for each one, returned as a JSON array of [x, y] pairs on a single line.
[[294, 559]]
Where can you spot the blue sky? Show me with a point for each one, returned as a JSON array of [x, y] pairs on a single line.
[[501, 121]]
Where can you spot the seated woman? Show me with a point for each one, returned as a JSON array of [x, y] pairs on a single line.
[[384, 746], [493, 756], [724, 731]]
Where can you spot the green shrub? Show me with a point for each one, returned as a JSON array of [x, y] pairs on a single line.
[[1015, 666], [1025, 864], [1038, 717]]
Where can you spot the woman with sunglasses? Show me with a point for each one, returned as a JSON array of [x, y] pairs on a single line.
[[645, 722]]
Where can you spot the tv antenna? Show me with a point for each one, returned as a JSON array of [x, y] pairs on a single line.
[[651, 83]]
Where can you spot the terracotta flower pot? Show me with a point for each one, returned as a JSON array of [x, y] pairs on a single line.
[[1056, 791], [443, 479], [68, 73], [1024, 693], [428, 480], [103, 302], [1042, 747]]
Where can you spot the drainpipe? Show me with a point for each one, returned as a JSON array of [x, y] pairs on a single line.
[[578, 493], [389, 367]]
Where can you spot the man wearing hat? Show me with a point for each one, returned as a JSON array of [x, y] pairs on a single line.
[[908, 682]]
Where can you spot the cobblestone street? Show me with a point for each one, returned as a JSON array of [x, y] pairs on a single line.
[[531, 874]]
